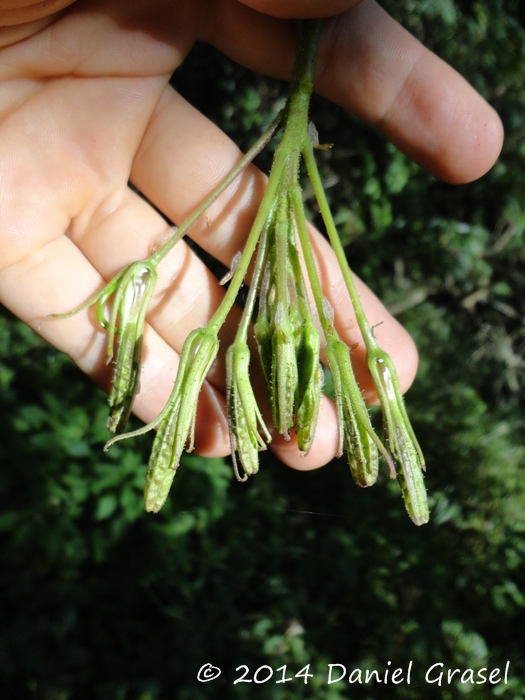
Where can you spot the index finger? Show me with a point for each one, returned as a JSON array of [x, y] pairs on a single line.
[[374, 68]]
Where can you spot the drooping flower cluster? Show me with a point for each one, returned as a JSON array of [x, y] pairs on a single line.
[[285, 331]]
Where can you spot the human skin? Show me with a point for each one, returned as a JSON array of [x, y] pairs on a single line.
[[85, 108]]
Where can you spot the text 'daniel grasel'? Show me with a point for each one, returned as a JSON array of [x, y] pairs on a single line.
[[437, 674]]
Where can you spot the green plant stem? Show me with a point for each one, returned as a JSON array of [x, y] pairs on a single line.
[[262, 217], [313, 173], [309, 261], [301, 86], [234, 173], [296, 134], [285, 168], [260, 260]]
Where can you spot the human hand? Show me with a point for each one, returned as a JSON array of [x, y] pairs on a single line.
[[85, 107]]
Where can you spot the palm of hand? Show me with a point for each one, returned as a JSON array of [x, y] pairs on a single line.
[[85, 107]]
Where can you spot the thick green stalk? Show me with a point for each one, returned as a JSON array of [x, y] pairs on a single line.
[[301, 86], [285, 168]]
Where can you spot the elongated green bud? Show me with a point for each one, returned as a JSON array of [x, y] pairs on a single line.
[[263, 331], [308, 346], [276, 331], [285, 376], [177, 427], [400, 435], [243, 412], [310, 385], [131, 291], [129, 312], [355, 429]]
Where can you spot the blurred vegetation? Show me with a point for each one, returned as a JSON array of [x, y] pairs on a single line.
[[99, 600]]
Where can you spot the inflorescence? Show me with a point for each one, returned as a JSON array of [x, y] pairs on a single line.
[[287, 337]]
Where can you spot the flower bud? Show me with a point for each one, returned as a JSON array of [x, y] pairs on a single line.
[[310, 385], [177, 426], [284, 372], [275, 335], [279, 321], [129, 312], [400, 435], [243, 412], [355, 430]]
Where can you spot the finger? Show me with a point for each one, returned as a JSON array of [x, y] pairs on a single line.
[[190, 160], [288, 9], [109, 38], [374, 68], [418, 101]]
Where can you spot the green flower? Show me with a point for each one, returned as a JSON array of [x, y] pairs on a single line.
[[307, 348], [400, 435], [276, 329], [131, 291], [127, 325], [287, 339], [356, 434], [177, 420], [285, 376], [310, 385], [243, 412]]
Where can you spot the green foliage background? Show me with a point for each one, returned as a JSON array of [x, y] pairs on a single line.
[[100, 600]]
